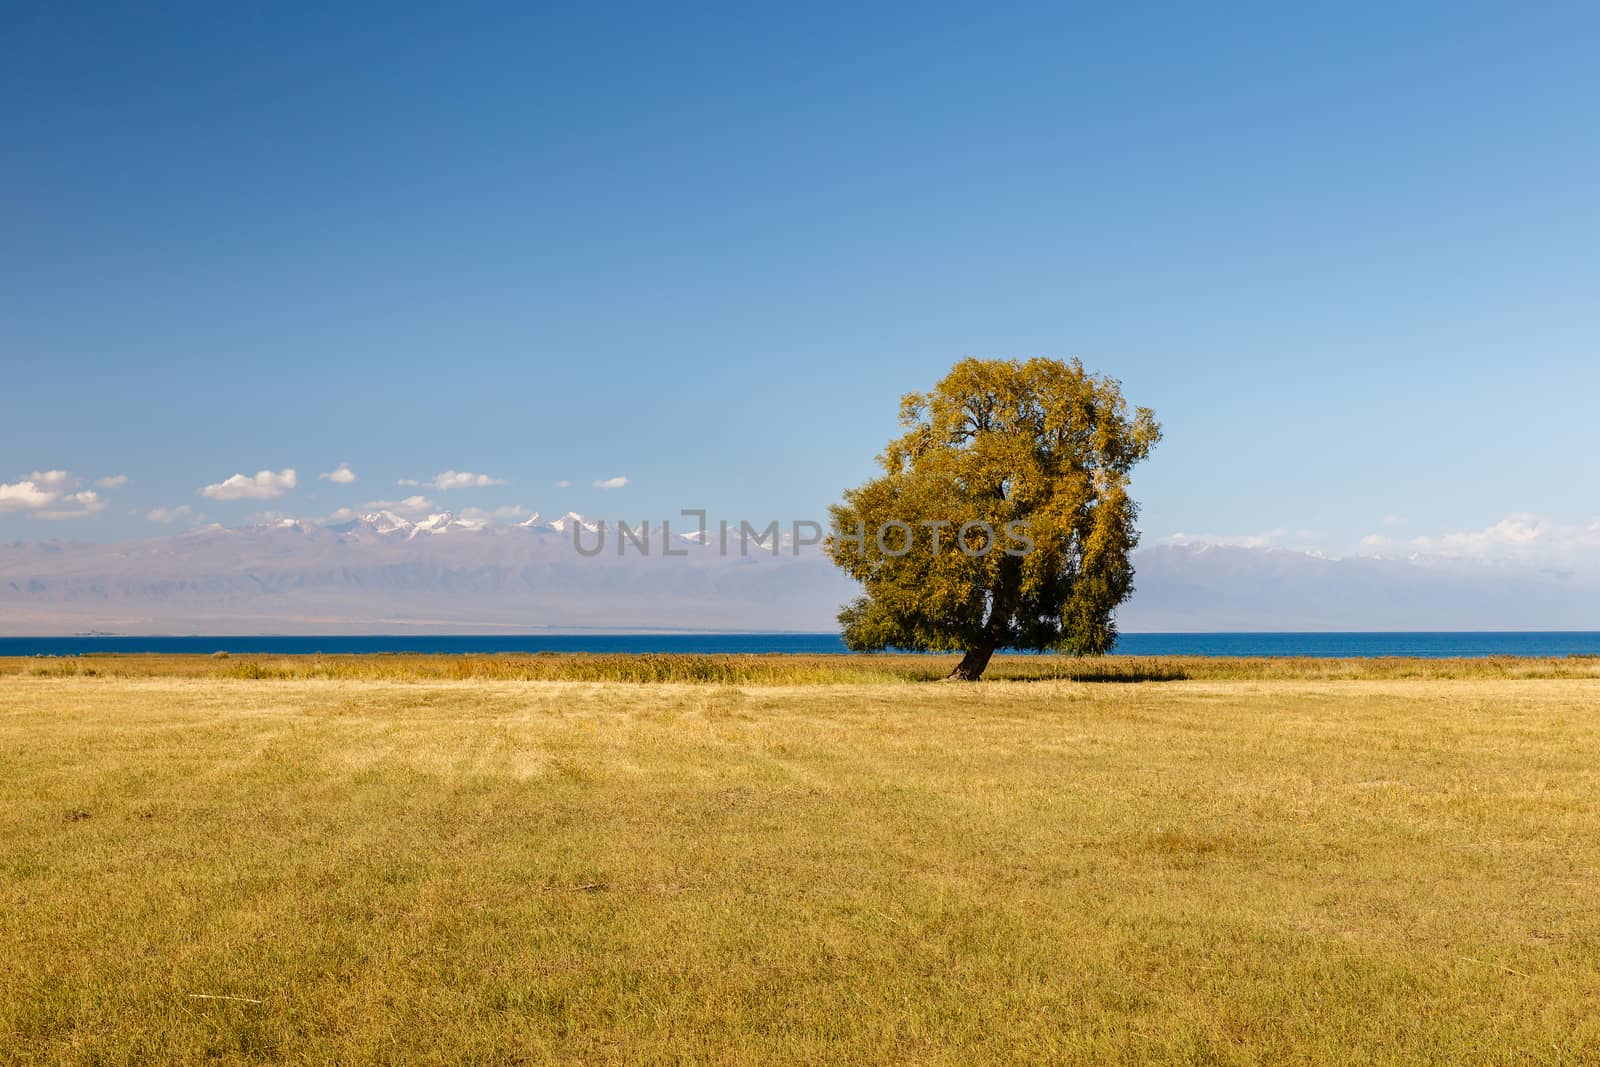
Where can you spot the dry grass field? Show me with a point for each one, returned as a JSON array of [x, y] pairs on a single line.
[[798, 860]]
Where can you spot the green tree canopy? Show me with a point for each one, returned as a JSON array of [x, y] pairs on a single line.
[[1032, 458]]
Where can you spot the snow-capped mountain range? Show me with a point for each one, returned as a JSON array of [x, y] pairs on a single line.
[[386, 523], [384, 572]]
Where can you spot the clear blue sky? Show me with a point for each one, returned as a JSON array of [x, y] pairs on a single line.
[[1349, 254]]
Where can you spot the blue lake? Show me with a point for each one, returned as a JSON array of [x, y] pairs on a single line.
[[1430, 645]]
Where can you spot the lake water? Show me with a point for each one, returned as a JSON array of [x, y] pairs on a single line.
[[1429, 645]]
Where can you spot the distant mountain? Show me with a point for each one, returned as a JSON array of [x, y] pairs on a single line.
[[386, 573], [383, 572], [1217, 588]]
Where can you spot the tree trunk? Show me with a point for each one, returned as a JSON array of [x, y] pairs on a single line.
[[972, 665]]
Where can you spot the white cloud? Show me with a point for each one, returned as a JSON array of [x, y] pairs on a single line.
[[1522, 537], [407, 481], [1518, 535], [75, 506], [612, 483], [25, 495], [263, 486], [510, 511], [49, 495], [563, 484], [182, 511], [464, 480], [1260, 540], [411, 505], [341, 515], [340, 475], [112, 481], [55, 481]]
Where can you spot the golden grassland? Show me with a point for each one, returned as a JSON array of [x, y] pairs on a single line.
[[798, 860], [782, 669]]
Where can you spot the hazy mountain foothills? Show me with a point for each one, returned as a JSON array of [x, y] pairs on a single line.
[[1221, 588], [386, 573]]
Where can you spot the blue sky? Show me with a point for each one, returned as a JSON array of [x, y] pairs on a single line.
[[1349, 254]]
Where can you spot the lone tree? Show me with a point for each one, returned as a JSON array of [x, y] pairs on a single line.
[[1002, 519]]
